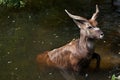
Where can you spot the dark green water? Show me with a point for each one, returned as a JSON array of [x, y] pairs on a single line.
[[24, 34]]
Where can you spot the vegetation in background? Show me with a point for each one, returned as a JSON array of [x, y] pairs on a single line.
[[13, 3], [115, 78]]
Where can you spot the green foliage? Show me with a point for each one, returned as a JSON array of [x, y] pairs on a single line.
[[113, 77], [13, 3]]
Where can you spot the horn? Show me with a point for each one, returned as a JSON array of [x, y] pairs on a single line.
[[75, 16], [95, 14]]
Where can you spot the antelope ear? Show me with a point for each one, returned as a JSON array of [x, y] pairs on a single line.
[[79, 23], [75, 17], [95, 14]]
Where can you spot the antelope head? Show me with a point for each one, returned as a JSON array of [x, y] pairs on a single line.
[[88, 27]]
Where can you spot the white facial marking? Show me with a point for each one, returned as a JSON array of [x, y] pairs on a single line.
[[96, 28], [101, 36]]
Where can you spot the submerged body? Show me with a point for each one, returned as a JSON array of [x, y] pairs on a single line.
[[70, 56]]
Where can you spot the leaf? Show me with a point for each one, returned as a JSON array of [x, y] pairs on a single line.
[[22, 4], [113, 77], [13, 3], [0, 1]]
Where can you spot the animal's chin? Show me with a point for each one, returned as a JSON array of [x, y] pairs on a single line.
[[96, 37], [100, 37]]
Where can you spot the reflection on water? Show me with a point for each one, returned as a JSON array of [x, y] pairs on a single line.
[[24, 34]]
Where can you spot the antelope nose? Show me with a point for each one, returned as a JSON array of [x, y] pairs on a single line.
[[101, 35]]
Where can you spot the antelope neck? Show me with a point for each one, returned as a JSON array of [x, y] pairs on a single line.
[[85, 42]]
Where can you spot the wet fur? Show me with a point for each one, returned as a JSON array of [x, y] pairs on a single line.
[[67, 57], [78, 53]]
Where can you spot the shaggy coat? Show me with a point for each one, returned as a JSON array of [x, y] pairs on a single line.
[[78, 53]]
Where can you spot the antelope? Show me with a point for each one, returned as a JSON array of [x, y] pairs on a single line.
[[79, 52]]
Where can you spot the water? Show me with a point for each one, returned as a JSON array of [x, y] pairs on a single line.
[[24, 34]]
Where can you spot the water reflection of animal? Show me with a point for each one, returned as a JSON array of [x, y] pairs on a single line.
[[78, 53], [68, 76]]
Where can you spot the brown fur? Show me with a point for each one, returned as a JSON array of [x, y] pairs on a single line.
[[78, 53]]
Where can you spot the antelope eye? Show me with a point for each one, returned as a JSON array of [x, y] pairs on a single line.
[[90, 27]]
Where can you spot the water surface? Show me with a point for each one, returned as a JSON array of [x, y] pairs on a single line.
[[24, 34]]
